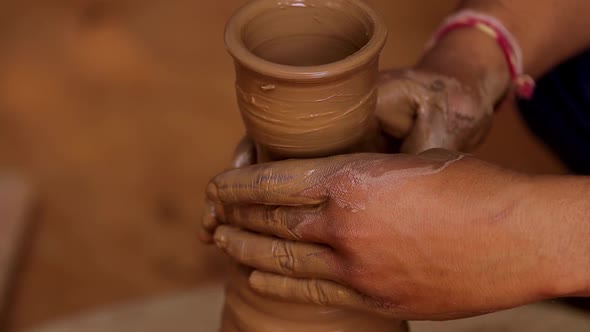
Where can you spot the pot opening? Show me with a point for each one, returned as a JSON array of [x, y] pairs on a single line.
[[299, 34]]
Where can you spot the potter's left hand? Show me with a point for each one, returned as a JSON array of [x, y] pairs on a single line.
[[244, 155], [433, 236]]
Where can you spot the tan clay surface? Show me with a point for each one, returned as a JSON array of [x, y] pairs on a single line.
[[121, 111], [296, 98]]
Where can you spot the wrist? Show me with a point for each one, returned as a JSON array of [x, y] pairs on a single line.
[[557, 213], [474, 59]]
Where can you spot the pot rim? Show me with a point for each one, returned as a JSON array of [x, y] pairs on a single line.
[[236, 47]]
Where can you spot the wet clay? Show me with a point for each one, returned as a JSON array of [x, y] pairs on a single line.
[[306, 74]]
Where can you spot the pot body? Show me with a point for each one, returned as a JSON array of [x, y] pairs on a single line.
[[308, 119], [306, 82]]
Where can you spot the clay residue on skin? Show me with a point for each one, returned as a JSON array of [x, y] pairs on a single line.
[[430, 110], [352, 175]]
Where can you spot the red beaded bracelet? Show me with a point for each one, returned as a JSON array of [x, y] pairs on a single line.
[[524, 84]]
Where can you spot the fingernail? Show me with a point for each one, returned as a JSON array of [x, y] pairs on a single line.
[[220, 238]]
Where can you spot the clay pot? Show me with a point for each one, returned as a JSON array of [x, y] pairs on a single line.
[[306, 74], [306, 86]]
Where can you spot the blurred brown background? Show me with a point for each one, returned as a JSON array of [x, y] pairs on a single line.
[[120, 111]]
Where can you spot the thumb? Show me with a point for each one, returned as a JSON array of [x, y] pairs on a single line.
[[409, 109], [430, 129], [453, 120], [396, 106]]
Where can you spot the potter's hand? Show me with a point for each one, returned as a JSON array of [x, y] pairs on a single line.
[[447, 99], [428, 110], [433, 236]]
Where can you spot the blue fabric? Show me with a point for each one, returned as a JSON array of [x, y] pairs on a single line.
[[559, 112]]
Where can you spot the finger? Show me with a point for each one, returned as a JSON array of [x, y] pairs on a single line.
[[276, 255], [291, 182], [308, 291], [395, 113], [209, 221], [244, 154], [332, 294], [291, 223], [207, 224], [397, 104], [451, 118], [212, 215]]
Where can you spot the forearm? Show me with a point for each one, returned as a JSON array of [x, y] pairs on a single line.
[[548, 32], [557, 212]]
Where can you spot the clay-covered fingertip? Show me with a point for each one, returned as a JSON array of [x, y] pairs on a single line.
[[221, 237], [211, 191], [209, 220]]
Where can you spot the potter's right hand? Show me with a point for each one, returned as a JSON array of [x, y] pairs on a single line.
[[435, 236], [428, 110]]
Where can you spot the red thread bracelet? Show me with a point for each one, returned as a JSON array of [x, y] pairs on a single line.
[[524, 84]]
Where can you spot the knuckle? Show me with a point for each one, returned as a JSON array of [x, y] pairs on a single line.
[[279, 219], [264, 174], [283, 255], [265, 180], [273, 216], [315, 293]]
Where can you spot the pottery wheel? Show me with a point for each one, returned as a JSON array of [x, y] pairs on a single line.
[[200, 310]]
